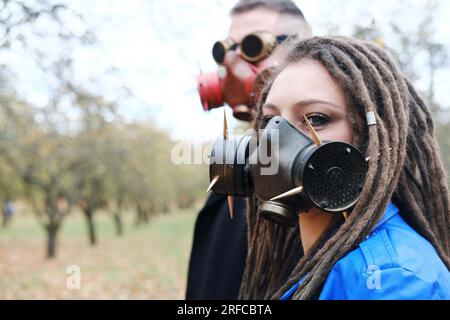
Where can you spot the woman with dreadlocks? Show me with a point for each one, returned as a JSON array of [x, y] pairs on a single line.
[[395, 243]]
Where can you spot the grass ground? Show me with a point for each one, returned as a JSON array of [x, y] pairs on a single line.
[[148, 262]]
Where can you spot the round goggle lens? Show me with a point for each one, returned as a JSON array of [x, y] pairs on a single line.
[[252, 46], [218, 52]]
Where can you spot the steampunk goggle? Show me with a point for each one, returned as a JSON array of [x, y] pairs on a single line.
[[253, 48]]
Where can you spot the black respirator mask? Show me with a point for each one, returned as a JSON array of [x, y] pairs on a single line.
[[287, 171]]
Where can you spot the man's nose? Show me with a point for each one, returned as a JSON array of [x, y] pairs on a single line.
[[237, 51], [230, 60]]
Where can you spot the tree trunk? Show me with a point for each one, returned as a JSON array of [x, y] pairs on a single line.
[[145, 216], [52, 232], [118, 223], [139, 217], [89, 213], [5, 219]]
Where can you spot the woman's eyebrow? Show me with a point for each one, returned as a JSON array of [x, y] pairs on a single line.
[[270, 106], [302, 103]]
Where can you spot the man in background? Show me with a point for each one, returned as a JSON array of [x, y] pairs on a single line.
[[219, 247]]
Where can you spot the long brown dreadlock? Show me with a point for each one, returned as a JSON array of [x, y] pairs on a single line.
[[408, 170]]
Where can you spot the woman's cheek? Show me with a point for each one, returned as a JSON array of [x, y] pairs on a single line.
[[339, 131], [345, 131]]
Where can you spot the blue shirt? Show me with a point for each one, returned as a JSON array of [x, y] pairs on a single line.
[[393, 262]]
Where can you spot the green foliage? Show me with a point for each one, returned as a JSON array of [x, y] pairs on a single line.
[[421, 57], [105, 163]]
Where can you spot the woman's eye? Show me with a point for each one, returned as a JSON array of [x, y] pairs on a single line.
[[317, 119], [267, 117], [264, 120]]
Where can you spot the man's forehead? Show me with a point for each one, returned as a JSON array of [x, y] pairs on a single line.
[[259, 19]]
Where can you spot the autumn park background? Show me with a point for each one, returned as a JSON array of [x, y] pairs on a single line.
[[95, 96]]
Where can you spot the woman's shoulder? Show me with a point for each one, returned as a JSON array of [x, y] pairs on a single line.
[[394, 262]]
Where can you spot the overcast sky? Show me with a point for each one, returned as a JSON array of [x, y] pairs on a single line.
[[156, 48]]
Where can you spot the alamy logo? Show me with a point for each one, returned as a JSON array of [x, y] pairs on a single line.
[[266, 153], [374, 279], [74, 279]]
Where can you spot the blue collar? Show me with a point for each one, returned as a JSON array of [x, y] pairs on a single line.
[[391, 211]]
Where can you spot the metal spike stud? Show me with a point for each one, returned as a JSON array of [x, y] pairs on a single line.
[[288, 193], [345, 214], [314, 135], [230, 206], [378, 155], [213, 182], [225, 126]]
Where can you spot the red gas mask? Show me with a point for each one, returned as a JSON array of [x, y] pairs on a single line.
[[212, 91], [234, 83]]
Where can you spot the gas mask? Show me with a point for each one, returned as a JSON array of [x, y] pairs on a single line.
[[288, 171], [210, 89], [253, 48]]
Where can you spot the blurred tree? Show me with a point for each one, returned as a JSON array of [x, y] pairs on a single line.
[[90, 183], [116, 153], [72, 150], [40, 158], [10, 184], [420, 56], [149, 162], [14, 15], [436, 53]]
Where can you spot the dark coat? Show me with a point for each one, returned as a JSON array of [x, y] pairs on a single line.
[[219, 250]]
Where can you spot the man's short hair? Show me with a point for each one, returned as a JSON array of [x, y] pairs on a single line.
[[280, 6]]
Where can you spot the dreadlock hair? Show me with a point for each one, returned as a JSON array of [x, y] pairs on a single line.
[[408, 170]]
